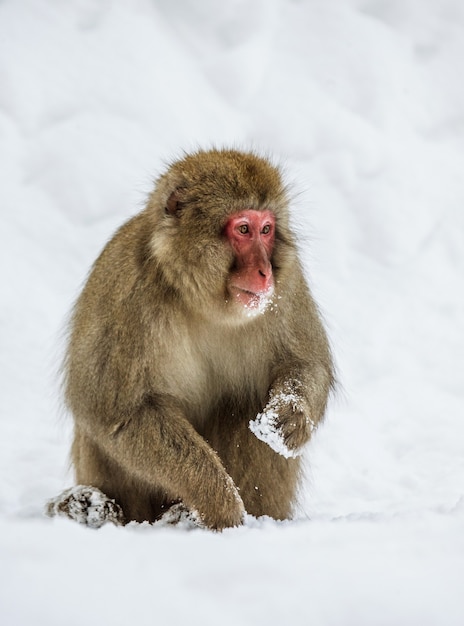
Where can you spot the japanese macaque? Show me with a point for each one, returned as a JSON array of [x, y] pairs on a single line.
[[197, 365]]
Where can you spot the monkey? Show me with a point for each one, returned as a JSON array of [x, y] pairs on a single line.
[[197, 364]]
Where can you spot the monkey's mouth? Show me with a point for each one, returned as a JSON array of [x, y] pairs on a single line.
[[250, 300]]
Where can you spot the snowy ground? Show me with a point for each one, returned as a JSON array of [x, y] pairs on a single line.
[[363, 102]]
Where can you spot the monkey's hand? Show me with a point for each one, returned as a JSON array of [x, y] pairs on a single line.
[[224, 510], [285, 423]]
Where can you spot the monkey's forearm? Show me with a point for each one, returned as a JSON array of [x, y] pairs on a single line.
[[308, 385], [160, 448]]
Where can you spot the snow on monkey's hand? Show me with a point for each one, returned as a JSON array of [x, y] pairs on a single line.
[[284, 424]]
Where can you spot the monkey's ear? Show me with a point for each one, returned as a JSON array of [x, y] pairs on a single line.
[[174, 204]]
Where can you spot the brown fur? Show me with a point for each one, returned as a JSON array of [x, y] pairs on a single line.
[[163, 374]]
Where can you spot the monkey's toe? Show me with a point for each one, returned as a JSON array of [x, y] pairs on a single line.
[[86, 505]]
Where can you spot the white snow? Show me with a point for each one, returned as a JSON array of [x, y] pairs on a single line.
[[362, 101], [260, 303]]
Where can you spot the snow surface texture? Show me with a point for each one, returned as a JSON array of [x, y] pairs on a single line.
[[362, 101]]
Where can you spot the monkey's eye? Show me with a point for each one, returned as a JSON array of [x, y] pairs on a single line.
[[266, 229], [243, 229]]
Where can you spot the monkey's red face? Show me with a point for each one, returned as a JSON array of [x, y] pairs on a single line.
[[251, 234]]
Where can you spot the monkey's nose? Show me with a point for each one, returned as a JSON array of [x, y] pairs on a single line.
[[265, 281], [265, 270]]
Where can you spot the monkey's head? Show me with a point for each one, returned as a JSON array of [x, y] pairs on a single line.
[[220, 231]]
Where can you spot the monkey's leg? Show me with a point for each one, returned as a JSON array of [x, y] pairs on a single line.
[[158, 447], [139, 500], [267, 482]]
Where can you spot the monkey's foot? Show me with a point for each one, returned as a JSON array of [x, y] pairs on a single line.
[[86, 505], [180, 515]]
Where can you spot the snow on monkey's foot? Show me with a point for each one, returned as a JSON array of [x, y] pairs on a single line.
[[180, 515], [86, 505]]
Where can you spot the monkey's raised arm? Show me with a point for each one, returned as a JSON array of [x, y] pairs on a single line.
[[301, 380]]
